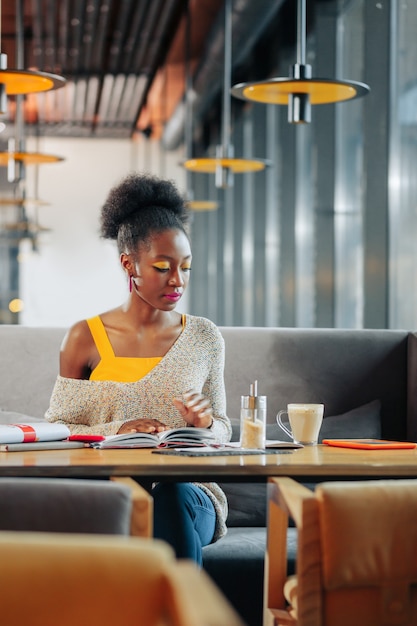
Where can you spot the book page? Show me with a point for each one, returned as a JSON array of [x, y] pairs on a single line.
[[184, 436]]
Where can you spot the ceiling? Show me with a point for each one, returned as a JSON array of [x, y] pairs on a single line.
[[123, 61], [126, 65]]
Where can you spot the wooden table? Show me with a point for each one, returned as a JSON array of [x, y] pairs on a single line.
[[318, 462]]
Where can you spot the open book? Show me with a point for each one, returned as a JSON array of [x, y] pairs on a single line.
[[175, 437], [33, 431]]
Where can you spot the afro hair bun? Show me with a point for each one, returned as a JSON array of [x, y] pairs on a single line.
[[135, 194]]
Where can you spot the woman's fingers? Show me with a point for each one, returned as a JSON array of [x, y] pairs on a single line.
[[142, 426], [197, 408]]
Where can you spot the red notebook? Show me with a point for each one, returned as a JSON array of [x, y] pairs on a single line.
[[86, 438], [370, 444]]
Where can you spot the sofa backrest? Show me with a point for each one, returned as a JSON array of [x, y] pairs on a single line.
[[29, 364], [344, 369]]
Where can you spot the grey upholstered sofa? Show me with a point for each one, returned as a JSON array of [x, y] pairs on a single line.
[[365, 378]]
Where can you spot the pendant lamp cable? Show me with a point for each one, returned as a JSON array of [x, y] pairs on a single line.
[[301, 32], [226, 119], [195, 205], [224, 165]]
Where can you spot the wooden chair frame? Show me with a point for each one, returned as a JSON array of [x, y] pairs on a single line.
[[287, 498], [141, 524]]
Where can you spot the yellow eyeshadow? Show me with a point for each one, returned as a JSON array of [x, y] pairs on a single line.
[[186, 267], [162, 265]]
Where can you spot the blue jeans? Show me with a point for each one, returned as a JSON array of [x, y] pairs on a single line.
[[184, 516]]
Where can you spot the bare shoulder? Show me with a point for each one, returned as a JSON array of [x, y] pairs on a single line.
[[77, 336], [78, 352]]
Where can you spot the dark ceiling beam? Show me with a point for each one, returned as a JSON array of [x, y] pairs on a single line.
[[137, 23], [119, 33], [63, 33], [110, 52], [101, 36], [171, 12]]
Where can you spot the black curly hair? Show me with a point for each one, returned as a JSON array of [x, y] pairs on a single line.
[[140, 206]]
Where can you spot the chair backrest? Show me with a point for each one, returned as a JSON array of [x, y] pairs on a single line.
[[67, 505], [368, 535], [49, 579]]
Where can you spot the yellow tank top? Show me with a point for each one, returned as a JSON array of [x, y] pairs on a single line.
[[118, 368]]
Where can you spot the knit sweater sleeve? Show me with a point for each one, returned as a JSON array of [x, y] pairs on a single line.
[[214, 389], [86, 407]]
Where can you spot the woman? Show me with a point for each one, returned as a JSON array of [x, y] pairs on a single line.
[[144, 367]]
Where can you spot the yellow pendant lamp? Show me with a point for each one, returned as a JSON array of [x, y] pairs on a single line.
[[28, 158], [224, 165], [300, 90], [20, 82], [21, 201], [202, 205], [20, 156]]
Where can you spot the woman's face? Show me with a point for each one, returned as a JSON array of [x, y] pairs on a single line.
[[162, 269]]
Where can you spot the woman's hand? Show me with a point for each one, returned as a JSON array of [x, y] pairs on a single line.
[[195, 409], [142, 426]]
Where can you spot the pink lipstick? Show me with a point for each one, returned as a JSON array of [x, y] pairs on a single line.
[[173, 296]]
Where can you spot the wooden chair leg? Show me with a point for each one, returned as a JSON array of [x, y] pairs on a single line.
[[286, 498], [275, 560]]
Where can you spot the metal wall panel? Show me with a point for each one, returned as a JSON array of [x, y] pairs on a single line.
[[323, 164], [273, 208], [287, 223], [402, 167], [259, 130], [377, 73], [326, 236]]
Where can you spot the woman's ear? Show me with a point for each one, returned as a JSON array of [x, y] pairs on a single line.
[[127, 263]]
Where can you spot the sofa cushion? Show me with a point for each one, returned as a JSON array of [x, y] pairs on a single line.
[[12, 417], [363, 422], [236, 564], [247, 503]]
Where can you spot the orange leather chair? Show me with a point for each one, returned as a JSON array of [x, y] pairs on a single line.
[[48, 579], [356, 554]]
